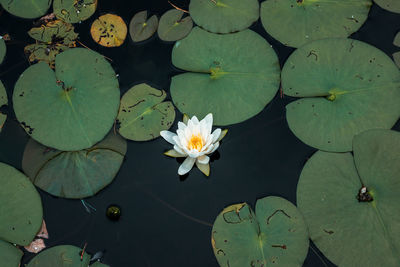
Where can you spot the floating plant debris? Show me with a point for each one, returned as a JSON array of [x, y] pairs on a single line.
[[275, 235], [143, 114], [232, 86], [348, 230]]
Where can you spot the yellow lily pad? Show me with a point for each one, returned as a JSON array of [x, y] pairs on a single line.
[[109, 30]]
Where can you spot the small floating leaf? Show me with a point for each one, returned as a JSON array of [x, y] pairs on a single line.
[[275, 236], [232, 86], [21, 211], [41, 52], [143, 114], [173, 27], [142, 28], [84, 173], [74, 11], [10, 256], [109, 30], [65, 255], [350, 204], [347, 87], [390, 5], [224, 16], [3, 101], [3, 49], [71, 108], [297, 22], [28, 9]]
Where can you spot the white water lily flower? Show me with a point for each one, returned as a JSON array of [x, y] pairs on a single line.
[[194, 141]]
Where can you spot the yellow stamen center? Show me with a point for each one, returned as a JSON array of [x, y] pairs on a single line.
[[195, 142]]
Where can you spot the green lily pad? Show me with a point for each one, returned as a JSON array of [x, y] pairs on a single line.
[[173, 27], [390, 5], [232, 86], [297, 22], [28, 9], [224, 16], [10, 256], [99, 264], [396, 58], [347, 87], [276, 235], [3, 101], [72, 108], [353, 228], [85, 172], [74, 11], [64, 255], [21, 211], [56, 31], [143, 114], [3, 49], [141, 28]]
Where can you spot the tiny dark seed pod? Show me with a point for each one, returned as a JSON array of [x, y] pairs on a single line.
[[113, 212]]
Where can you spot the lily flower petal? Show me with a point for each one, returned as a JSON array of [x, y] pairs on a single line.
[[186, 166], [216, 134], [216, 145], [203, 159], [175, 154], [179, 150], [168, 136], [208, 121], [181, 125]]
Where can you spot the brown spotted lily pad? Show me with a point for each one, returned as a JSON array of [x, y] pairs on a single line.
[[109, 30]]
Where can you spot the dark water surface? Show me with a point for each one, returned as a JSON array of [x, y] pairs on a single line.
[[166, 219]]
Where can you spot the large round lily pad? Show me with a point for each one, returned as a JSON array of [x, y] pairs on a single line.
[[350, 226], [72, 108], [3, 49], [224, 16], [28, 9], [74, 11], [99, 264], [143, 114], [233, 86], [297, 22], [390, 5], [84, 173], [21, 211], [141, 28], [276, 235], [10, 256], [109, 30], [347, 87], [3, 101], [173, 27], [64, 255]]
